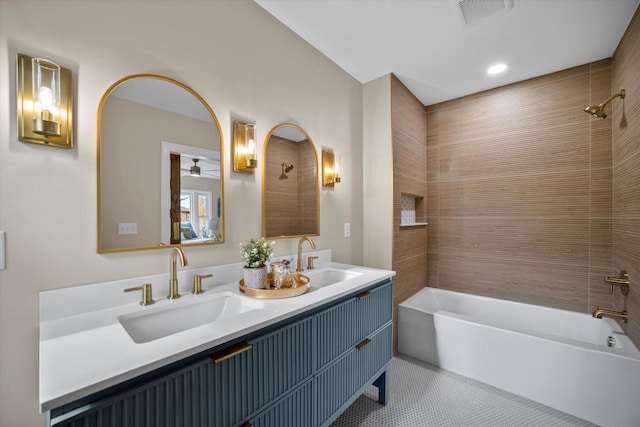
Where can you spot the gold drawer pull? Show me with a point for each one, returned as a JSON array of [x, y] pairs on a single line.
[[364, 295], [228, 353], [247, 424], [363, 344]]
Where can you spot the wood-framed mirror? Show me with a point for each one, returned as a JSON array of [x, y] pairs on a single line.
[[160, 174], [290, 184]]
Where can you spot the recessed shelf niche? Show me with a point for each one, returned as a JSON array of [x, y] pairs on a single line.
[[412, 211]]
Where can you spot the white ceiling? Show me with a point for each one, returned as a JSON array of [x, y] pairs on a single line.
[[428, 46]]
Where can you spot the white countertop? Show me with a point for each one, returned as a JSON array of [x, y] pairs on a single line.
[[84, 349]]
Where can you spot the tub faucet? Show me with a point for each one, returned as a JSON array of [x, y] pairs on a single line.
[[173, 278], [598, 313], [300, 242]]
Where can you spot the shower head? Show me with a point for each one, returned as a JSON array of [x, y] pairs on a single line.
[[286, 168], [598, 111]]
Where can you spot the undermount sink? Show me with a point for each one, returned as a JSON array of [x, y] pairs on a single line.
[[330, 276], [159, 322]]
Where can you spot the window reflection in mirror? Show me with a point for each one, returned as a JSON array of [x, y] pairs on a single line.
[[291, 202], [144, 121]]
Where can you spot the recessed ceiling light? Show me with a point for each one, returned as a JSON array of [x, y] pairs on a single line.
[[496, 69]]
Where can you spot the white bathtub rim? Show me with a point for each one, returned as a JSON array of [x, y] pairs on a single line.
[[628, 350], [623, 352]]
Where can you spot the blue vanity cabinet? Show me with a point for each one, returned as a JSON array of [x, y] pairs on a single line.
[[293, 410], [302, 372], [341, 327], [222, 388], [354, 342], [343, 381]]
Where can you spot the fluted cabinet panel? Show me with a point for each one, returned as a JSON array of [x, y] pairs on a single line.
[[341, 380], [210, 394], [357, 317], [292, 411]]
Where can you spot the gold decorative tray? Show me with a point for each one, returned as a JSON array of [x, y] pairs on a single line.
[[271, 293]]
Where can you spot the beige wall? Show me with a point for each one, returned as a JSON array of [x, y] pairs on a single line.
[[626, 167], [377, 155], [520, 191], [262, 72]]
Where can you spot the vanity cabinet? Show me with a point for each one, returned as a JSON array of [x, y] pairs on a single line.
[[301, 372]]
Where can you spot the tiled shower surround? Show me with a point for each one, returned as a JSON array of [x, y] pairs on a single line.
[[519, 191], [532, 200], [528, 198], [626, 171]]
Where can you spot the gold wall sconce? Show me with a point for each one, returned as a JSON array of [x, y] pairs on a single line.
[[44, 102], [245, 157], [330, 168]]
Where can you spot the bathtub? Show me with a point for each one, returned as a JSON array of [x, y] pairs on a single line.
[[569, 361]]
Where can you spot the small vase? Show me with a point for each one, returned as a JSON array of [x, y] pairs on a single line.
[[255, 278]]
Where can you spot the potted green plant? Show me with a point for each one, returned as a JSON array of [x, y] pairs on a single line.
[[255, 255]]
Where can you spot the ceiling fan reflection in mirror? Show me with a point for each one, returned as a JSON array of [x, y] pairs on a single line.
[[199, 167]]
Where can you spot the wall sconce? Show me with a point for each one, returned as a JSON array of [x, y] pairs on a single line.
[[330, 168], [44, 102], [244, 147]]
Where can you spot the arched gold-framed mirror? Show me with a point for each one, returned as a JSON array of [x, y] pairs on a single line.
[[290, 184], [160, 170]]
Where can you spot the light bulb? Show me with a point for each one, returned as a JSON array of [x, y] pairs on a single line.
[[46, 98]]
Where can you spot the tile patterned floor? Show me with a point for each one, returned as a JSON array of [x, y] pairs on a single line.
[[424, 395]]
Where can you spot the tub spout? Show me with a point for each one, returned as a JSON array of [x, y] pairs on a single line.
[[599, 313]]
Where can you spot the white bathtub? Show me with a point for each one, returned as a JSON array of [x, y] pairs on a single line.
[[556, 357]]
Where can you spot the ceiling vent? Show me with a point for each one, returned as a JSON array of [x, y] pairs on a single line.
[[477, 10]]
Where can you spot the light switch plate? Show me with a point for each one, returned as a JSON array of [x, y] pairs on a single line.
[[127, 228], [347, 229]]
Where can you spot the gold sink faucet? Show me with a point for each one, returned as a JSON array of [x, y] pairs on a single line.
[[300, 242], [173, 279], [599, 313]]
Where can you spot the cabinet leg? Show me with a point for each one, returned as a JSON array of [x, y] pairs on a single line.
[[383, 387]]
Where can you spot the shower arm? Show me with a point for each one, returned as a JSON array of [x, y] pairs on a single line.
[[621, 94]]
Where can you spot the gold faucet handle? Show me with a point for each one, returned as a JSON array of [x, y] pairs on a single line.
[[310, 262], [622, 281], [147, 297], [197, 283]]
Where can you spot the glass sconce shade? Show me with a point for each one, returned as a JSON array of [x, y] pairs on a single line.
[[336, 168], [45, 86], [244, 147], [330, 168]]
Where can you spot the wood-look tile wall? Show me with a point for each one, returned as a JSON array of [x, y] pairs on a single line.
[[626, 171], [291, 201], [409, 177], [519, 191]]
